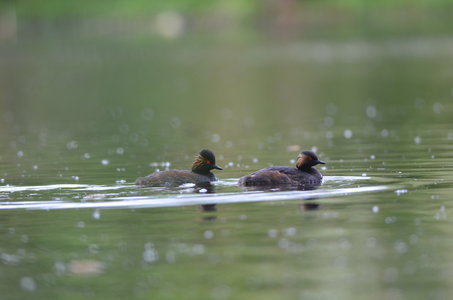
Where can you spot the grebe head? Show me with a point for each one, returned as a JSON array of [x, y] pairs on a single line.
[[204, 162], [307, 159]]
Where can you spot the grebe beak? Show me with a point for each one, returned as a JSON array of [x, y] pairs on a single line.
[[320, 162], [217, 167]]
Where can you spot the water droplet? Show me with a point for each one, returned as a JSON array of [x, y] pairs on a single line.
[[400, 247], [120, 181], [87, 156], [375, 209], [215, 138], [120, 151], [283, 243], [255, 160], [202, 191], [71, 145], [24, 238], [150, 254], [93, 249], [198, 249], [438, 107], [289, 231], [169, 24], [329, 121], [96, 214], [20, 154], [417, 140], [28, 284], [35, 167], [347, 134], [147, 114], [208, 234], [76, 178], [9, 259], [373, 157], [390, 220], [105, 162], [272, 233], [441, 214], [384, 133], [371, 112], [60, 267]]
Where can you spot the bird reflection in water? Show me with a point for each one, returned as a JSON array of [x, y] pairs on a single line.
[[207, 188]]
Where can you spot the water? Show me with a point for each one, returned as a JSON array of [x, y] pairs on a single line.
[[81, 119]]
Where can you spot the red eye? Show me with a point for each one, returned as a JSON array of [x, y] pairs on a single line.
[[309, 158], [208, 162]]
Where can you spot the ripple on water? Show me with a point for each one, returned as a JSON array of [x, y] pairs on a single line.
[[129, 196]]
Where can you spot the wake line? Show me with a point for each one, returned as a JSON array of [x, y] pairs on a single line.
[[186, 200]]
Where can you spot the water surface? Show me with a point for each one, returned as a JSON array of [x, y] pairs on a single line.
[[81, 119]]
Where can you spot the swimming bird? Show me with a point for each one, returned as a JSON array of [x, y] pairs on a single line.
[[302, 174], [200, 174]]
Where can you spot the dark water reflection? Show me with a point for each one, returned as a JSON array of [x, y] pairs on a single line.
[[80, 120]]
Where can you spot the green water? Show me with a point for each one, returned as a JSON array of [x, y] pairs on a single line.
[[82, 118]]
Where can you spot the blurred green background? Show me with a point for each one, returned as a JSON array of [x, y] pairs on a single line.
[[236, 18]]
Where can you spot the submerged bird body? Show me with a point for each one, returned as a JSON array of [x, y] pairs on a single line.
[[281, 175], [199, 175], [302, 174], [174, 178]]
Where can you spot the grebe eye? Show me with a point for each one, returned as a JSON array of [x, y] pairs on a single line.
[[208, 162], [310, 158]]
